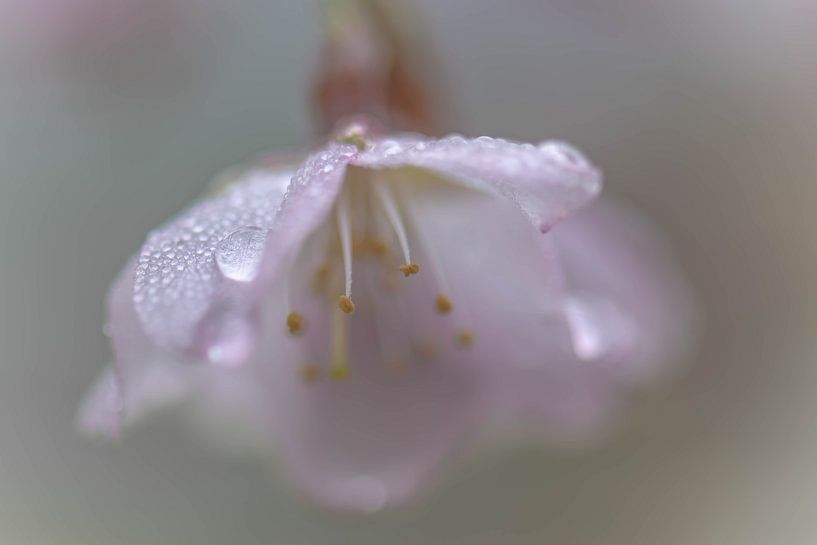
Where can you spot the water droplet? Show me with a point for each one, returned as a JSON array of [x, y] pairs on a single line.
[[564, 153], [238, 255], [228, 338], [597, 328]]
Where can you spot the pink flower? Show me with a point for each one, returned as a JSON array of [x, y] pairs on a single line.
[[386, 304]]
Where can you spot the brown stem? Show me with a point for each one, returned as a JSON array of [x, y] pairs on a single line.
[[370, 66]]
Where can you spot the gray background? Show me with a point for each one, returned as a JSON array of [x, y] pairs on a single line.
[[700, 112]]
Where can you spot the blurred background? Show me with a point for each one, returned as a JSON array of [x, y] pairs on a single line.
[[114, 115]]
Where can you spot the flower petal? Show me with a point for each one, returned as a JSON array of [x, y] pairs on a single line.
[[180, 280], [628, 309], [379, 437], [306, 204], [142, 380], [501, 274], [546, 182]]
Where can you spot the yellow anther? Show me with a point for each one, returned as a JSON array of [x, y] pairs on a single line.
[[443, 304], [378, 247], [396, 366], [360, 247], [409, 268], [321, 278], [345, 304], [339, 366], [426, 349], [295, 322], [339, 372], [310, 373], [354, 134], [465, 338]]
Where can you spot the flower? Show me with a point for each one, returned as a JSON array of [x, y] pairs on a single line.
[[379, 308]]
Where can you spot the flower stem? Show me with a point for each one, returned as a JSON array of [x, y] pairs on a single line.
[[370, 66]]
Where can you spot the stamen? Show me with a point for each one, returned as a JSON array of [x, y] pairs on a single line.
[[339, 368], [344, 229], [393, 215], [396, 366], [354, 134], [310, 372], [345, 304], [409, 269], [443, 304], [465, 338], [320, 281], [426, 349], [378, 247], [295, 322], [360, 247]]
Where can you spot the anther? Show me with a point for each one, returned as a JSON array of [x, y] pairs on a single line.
[[353, 134], [339, 372], [443, 304], [345, 304], [339, 366], [378, 247], [321, 279], [426, 349], [310, 373], [409, 268], [396, 366], [295, 322], [360, 247], [465, 338]]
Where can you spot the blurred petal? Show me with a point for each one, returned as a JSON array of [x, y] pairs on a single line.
[[142, 380], [629, 310], [379, 437]]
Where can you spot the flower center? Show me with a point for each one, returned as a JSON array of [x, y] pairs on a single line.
[[374, 228]]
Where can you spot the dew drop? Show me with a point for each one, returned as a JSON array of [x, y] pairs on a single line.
[[238, 255], [597, 328], [228, 338], [564, 153]]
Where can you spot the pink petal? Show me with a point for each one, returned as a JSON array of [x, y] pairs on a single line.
[[306, 204], [142, 380], [507, 288], [380, 437], [628, 309], [546, 182], [193, 274], [377, 438]]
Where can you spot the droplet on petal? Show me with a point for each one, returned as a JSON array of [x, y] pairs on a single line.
[[597, 328], [566, 154], [228, 338], [238, 255]]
